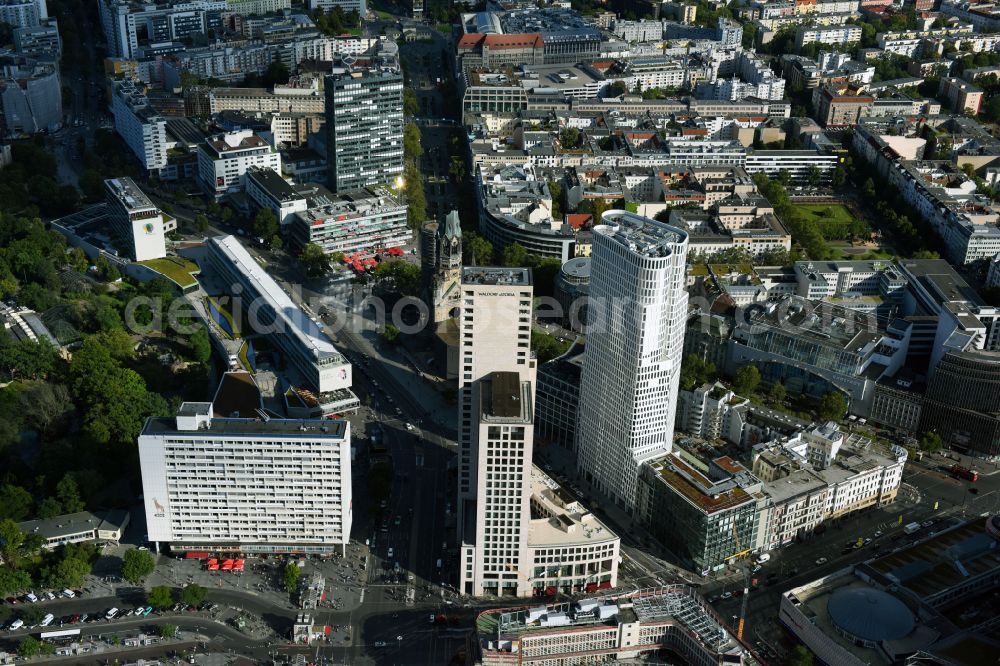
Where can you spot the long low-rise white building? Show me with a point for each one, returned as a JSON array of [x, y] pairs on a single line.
[[270, 311], [246, 485], [612, 628]]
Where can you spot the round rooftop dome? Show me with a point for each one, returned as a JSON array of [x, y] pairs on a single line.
[[869, 614], [577, 268]]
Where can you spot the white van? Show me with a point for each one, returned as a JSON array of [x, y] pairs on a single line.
[[16, 624], [69, 594], [47, 620], [763, 557], [111, 614], [30, 596]]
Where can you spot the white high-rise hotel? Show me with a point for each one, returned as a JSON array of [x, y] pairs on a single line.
[[631, 370], [247, 485], [496, 432]]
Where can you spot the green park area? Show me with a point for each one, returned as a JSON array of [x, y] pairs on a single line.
[[824, 213], [177, 269]]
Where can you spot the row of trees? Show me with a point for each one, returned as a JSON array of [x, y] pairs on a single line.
[[413, 183]]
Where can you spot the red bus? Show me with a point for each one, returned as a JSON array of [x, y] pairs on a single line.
[[960, 472]]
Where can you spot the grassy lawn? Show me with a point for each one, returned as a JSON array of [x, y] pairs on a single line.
[[180, 271], [821, 212]]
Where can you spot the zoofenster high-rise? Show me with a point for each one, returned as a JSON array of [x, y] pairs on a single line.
[[631, 369]]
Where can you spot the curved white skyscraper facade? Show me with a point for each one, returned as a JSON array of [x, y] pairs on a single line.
[[628, 387]]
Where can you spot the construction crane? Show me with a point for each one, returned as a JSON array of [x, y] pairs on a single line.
[[746, 584]]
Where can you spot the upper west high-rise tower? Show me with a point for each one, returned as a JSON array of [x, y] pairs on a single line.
[[364, 119], [631, 369]]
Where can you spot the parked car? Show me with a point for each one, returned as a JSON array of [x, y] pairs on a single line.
[[821, 560], [16, 624], [111, 614]]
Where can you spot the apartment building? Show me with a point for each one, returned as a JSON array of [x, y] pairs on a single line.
[[628, 389], [841, 35], [835, 110], [40, 41], [23, 13], [223, 160], [136, 220], [282, 99], [246, 485], [269, 190], [961, 96], [861, 478], [30, 95], [797, 504], [142, 128]]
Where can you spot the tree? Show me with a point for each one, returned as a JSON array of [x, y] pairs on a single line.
[[69, 495], [49, 508], [13, 581], [569, 138], [201, 345], [193, 595], [839, 176], [814, 176], [616, 89], [515, 255], [412, 142], [390, 334], [477, 250], [746, 380], [832, 407], [456, 169], [777, 393], [15, 502], [11, 538], [291, 577], [411, 106], [931, 442], [695, 372], [398, 276], [29, 647], [200, 223], [801, 656], [991, 110], [555, 190], [315, 262], [70, 572], [160, 597], [168, 630], [137, 564], [416, 201], [265, 223]]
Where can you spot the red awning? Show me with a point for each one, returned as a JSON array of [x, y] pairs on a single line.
[[196, 555]]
